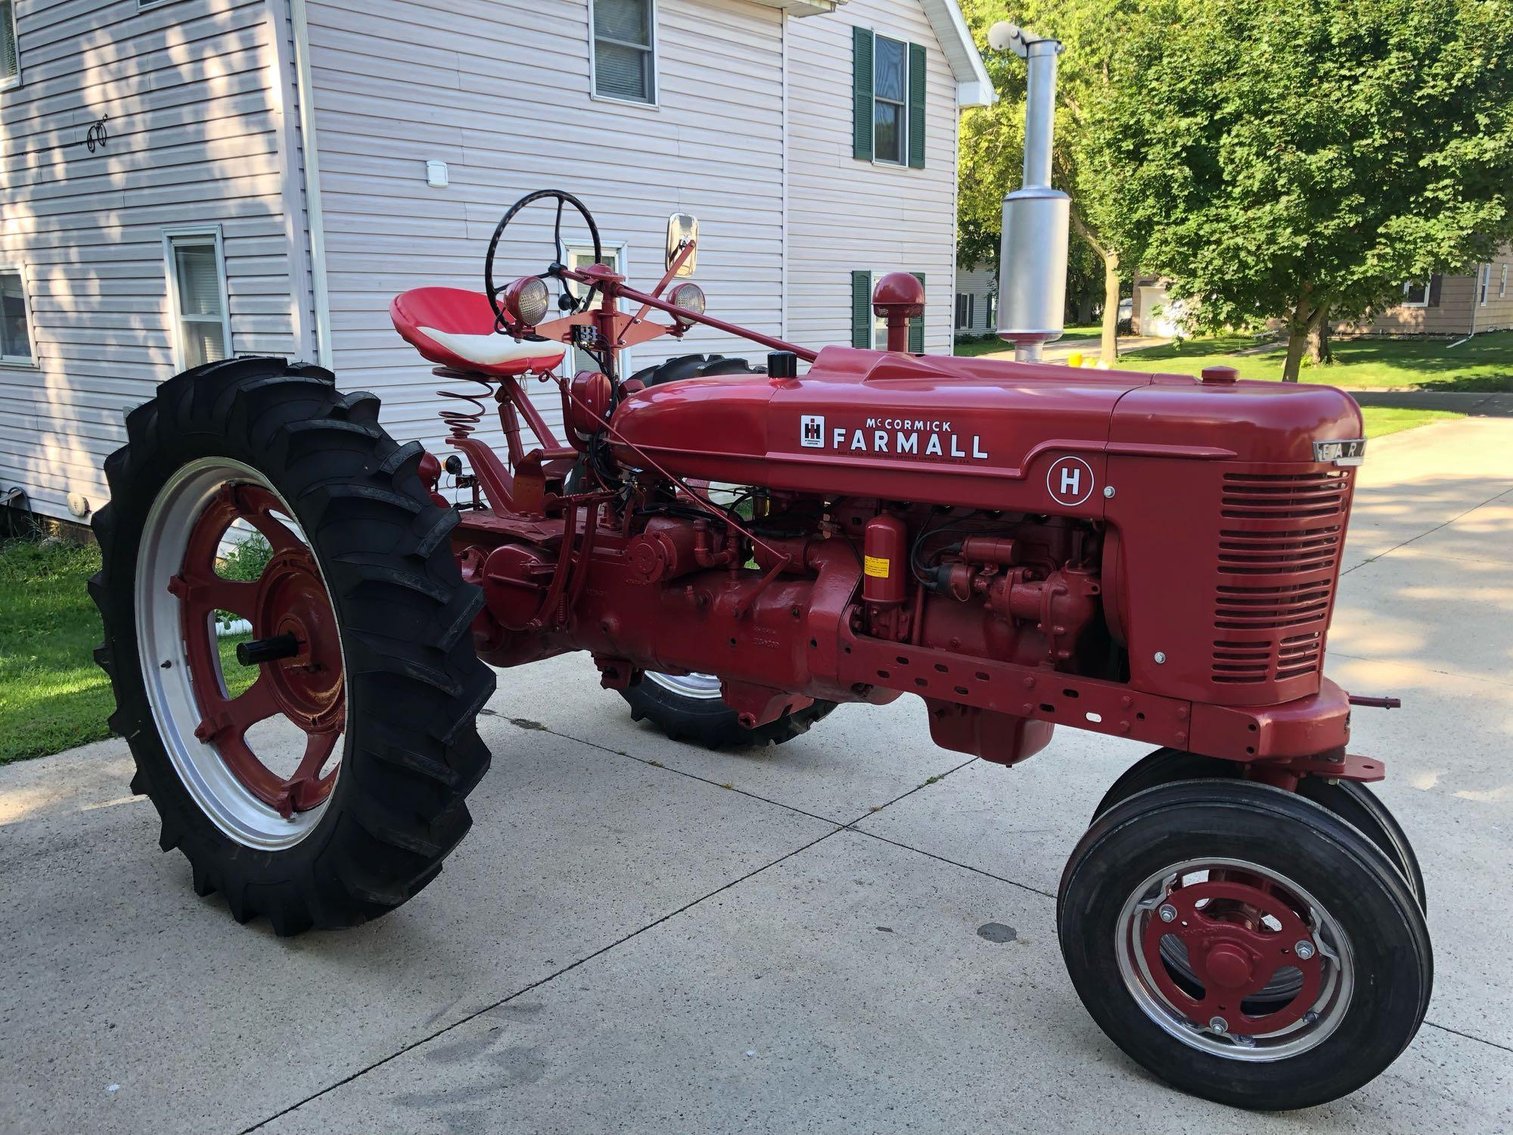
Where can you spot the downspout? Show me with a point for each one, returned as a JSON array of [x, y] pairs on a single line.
[[306, 88], [282, 79], [1475, 292], [783, 267]]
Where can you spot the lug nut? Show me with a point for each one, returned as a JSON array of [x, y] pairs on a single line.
[[1218, 1025], [1167, 912], [1303, 950]]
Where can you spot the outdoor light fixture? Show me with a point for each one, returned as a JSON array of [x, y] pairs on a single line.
[[689, 297], [528, 300]]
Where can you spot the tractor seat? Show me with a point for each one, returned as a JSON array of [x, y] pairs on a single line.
[[456, 328]]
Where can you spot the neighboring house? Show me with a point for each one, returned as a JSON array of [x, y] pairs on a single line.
[[976, 300], [1479, 299], [188, 179]]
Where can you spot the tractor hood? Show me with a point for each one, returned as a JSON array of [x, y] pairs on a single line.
[[975, 433]]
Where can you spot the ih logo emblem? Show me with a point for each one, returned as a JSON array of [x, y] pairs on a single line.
[[1069, 481], [812, 431]]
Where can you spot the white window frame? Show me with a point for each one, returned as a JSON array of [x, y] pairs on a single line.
[[10, 82], [1406, 302], [593, 60], [903, 107], [27, 362], [194, 234], [620, 250], [1483, 284], [1502, 286]]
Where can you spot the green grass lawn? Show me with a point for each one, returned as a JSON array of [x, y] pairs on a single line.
[[1485, 363], [52, 695]]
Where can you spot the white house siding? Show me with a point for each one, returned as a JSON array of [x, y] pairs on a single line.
[[500, 92], [981, 283], [845, 215], [190, 90]]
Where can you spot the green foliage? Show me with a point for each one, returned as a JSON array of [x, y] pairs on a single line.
[[247, 560], [52, 695], [1291, 158]]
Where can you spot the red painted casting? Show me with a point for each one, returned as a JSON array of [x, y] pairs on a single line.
[[288, 598], [1233, 954]]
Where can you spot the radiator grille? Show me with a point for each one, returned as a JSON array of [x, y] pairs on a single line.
[[1280, 538]]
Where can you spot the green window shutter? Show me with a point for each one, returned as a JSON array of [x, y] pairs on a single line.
[[861, 94], [916, 106], [917, 324], [861, 309]]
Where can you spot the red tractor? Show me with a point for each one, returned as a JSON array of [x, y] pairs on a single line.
[[1019, 545]]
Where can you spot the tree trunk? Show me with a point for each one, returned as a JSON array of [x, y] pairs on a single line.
[[1108, 346], [1305, 317], [1084, 308], [1319, 351]]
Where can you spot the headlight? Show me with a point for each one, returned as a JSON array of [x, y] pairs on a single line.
[[528, 300], [689, 297]]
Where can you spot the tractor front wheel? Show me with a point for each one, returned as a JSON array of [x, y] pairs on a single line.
[[1244, 944], [316, 777], [1350, 800]]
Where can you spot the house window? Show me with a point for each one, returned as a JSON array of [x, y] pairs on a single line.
[[888, 100], [870, 330], [1484, 283], [890, 117], [10, 58], [197, 297], [580, 257], [624, 53], [15, 327], [966, 304], [1502, 284], [1416, 293]]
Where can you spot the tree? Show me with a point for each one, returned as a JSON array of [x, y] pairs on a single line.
[[992, 139], [1301, 159]]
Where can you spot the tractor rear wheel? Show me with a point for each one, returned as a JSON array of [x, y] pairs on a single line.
[[319, 778], [1305, 965], [1353, 802], [688, 707]]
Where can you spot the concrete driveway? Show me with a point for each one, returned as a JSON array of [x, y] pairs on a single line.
[[853, 932]]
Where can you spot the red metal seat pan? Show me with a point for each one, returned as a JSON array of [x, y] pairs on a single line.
[[455, 327]]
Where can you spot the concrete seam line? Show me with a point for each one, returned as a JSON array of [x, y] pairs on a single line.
[[1468, 1036], [953, 862], [1430, 532], [648, 762], [489, 1008]]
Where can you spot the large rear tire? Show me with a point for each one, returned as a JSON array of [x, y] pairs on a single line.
[[688, 707], [363, 654]]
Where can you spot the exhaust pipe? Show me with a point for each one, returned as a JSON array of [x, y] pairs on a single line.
[[1036, 218]]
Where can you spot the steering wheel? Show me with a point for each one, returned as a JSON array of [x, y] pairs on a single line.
[[563, 199]]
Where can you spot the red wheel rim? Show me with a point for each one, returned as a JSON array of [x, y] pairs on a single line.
[[1238, 934], [289, 598]]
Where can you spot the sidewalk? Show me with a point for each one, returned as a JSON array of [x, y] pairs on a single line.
[[853, 932]]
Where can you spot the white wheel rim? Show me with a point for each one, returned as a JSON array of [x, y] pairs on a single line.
[[705, 687], [166, 673]]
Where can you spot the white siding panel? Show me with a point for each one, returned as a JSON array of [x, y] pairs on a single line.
[[500, 91], [194, 119], [847, 215]]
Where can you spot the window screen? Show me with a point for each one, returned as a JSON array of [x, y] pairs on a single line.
[[623, 53], [15, 335], [889, 84], [201, 302], [10, 63]]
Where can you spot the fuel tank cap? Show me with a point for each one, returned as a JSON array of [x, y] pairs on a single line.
[[1219, 376]]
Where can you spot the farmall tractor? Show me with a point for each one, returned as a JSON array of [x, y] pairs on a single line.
[[741, 548]]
